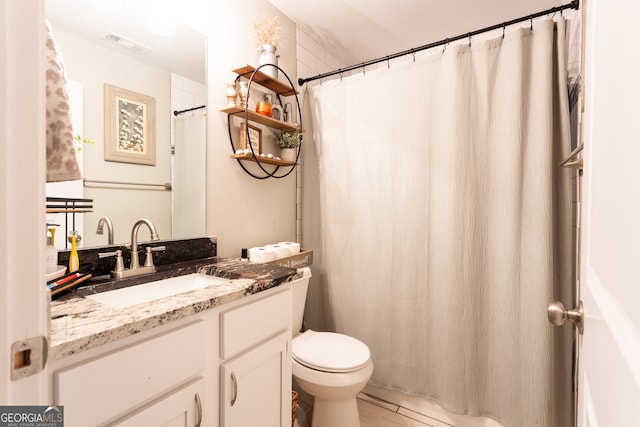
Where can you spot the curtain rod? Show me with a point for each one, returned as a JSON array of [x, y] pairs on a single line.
[[575, 4], [176, 113]]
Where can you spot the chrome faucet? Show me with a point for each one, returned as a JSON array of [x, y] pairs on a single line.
[[135, 269], [135, 263], [105, 220]]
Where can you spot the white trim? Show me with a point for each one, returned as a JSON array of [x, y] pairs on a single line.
[[620, 326], [23, 303], [590, 420]]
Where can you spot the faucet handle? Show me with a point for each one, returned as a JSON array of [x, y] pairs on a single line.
[[148, 261], [119, 263]]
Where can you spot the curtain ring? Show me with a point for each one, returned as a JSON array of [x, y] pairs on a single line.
[[531, 17], [340, 75], [388, 64], [503, 29], [469, 39], [446, 42], [364, 69], [414, 54]]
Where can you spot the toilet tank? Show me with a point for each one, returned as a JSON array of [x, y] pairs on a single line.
[[299, 288]]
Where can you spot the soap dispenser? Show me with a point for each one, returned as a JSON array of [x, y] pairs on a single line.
[[74, 260], [52, 256]]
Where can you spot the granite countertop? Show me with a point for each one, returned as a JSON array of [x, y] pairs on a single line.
[[79, 324]]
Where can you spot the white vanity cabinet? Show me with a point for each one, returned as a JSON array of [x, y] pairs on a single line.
[[255, 373], [184, 372], [162, 375]]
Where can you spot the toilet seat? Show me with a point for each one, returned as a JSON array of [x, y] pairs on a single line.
[[330, 352]]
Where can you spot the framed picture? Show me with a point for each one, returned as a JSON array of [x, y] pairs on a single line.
[[129, 126], [255, 136]]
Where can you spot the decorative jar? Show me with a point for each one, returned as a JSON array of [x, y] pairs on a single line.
[[268, 57]]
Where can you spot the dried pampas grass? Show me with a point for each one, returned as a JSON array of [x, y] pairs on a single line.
[[266, 30]]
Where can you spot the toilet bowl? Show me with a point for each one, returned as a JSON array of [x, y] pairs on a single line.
[[331, 368]]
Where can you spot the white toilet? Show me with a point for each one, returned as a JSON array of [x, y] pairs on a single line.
[[333, 368]]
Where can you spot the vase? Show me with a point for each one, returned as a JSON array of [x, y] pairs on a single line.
[[244, 92], [232, 94], [268, 57], [288, 154]]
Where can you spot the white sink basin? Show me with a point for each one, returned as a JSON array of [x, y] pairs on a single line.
[[147, 292]]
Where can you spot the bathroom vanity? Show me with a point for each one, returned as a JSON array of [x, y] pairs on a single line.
[[219, 355]]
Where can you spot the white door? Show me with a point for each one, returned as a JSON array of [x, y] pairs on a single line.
[[23, 305], [609, 380]]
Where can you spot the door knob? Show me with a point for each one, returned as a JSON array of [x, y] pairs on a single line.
[[558, 314]]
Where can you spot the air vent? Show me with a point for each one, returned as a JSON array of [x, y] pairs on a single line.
[[128, 44]]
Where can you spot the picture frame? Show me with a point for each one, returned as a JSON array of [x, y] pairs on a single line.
[[255, 136], [129, 126]]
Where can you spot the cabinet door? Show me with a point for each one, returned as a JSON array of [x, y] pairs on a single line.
[[123, 379], [179, 408], [256, 386]]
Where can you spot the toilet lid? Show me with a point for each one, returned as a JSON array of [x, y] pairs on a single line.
[[329, 352]]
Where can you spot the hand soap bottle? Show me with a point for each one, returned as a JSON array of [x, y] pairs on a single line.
[[74, 260], [52, 256]]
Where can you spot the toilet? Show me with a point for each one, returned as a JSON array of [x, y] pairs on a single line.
[[332, 368]]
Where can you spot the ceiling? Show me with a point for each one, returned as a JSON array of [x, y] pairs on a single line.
[[355, 31], [183, 54]]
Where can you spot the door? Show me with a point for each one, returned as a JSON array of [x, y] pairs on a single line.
[[609, 378], [23, 298]]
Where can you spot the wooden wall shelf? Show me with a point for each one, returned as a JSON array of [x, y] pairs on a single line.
[[254, 76], [259, 118], [266, 81], [251, 158]]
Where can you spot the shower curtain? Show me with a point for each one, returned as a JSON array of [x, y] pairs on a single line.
[[441, 236]]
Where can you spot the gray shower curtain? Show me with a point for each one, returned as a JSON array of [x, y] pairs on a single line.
[[440, 227]]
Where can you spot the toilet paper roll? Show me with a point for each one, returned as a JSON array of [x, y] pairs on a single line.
[[293, 247], [262, 254], [281, 251]]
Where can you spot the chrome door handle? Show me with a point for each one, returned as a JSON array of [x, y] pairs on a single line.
[[558, 314]]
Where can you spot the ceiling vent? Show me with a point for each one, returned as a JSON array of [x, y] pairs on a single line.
[[128, 44]]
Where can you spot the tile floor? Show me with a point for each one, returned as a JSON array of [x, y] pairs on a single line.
[[388, 408], [394, 409]]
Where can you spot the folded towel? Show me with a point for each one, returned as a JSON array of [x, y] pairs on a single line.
[[61, 154]]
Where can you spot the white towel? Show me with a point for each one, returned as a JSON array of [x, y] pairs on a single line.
[[61, 155]]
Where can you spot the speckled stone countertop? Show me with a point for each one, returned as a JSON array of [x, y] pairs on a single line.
[[79, 324]]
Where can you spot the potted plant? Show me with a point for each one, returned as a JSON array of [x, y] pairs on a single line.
[[288, 142]]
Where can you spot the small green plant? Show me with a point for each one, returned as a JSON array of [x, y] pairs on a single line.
[[78, 141], [287, 139]]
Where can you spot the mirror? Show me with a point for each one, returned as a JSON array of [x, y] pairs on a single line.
[[110, 42]]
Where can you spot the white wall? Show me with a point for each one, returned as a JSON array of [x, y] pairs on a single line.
[[313, 58], [241, 211]]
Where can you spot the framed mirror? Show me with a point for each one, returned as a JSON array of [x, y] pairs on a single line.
[[137, 46]]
